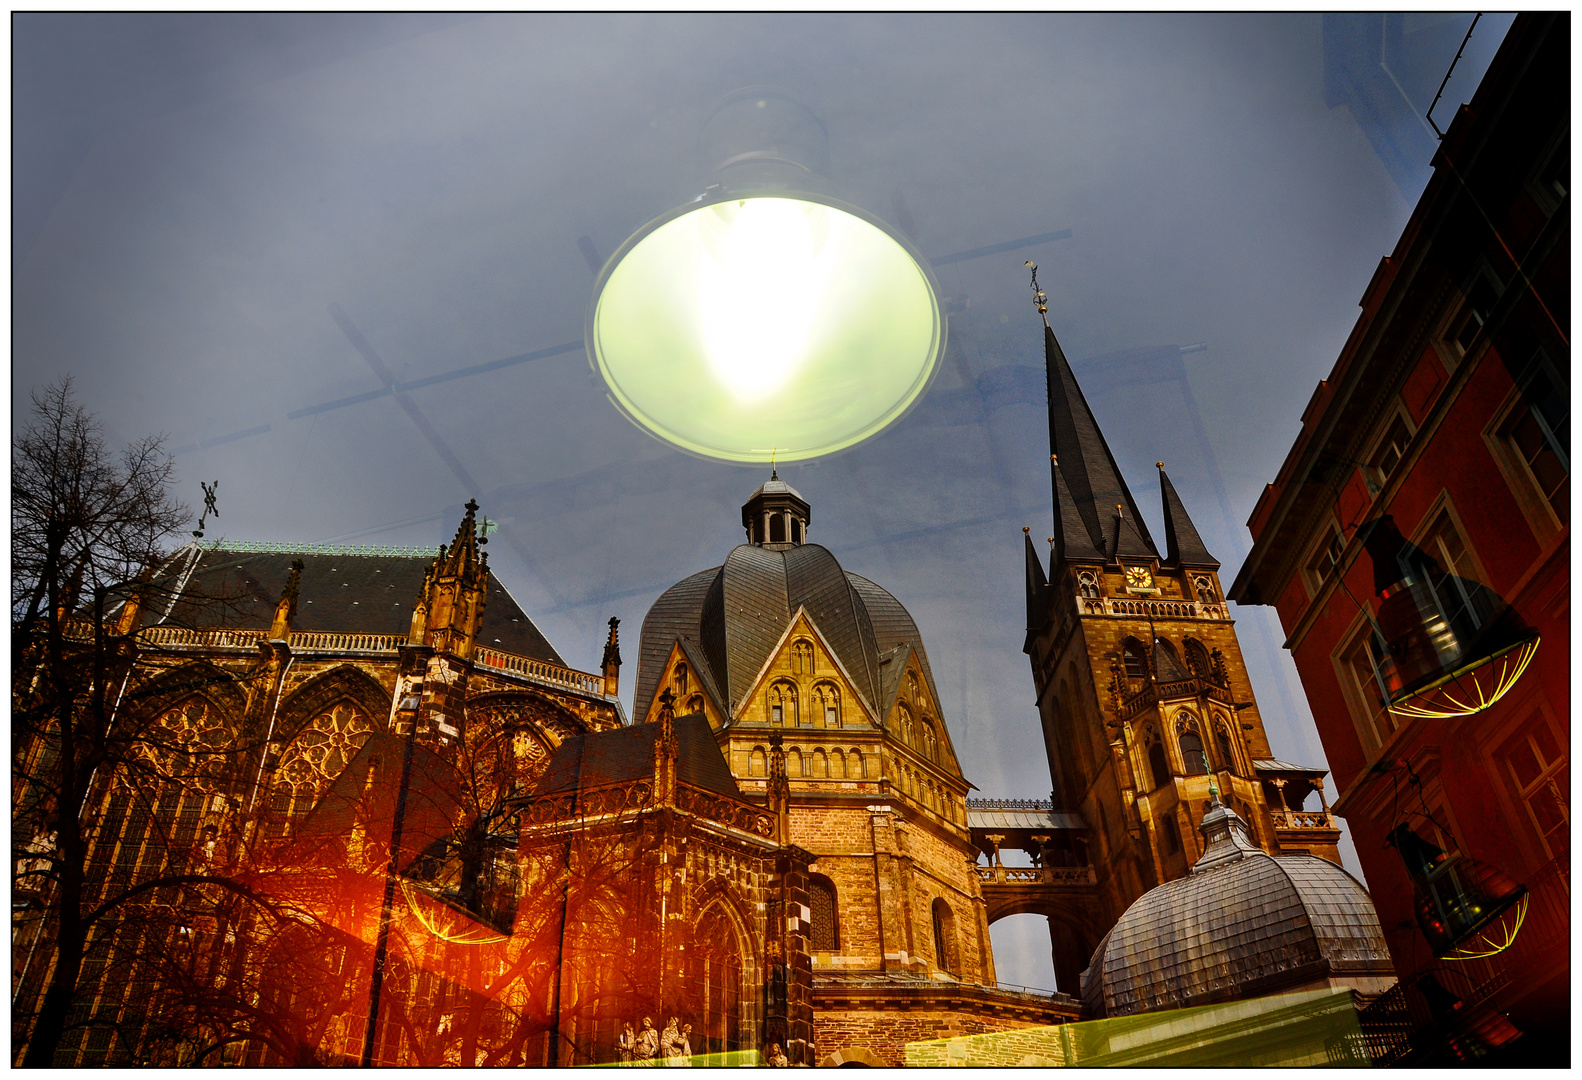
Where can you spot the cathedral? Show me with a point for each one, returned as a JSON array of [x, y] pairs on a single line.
[[366, 814]]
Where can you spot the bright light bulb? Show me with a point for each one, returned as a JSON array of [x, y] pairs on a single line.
[[759, 294]]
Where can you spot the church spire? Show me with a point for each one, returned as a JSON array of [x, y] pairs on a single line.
[[1182, 542], [1088, 468], [1037, 585], [1073, 542]]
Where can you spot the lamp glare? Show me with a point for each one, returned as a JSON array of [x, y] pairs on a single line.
[[769, 326]]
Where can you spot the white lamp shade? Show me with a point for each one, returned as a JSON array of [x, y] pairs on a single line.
[[765, 326]]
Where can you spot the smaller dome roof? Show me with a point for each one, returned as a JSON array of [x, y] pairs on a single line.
[[775, 486], [1242, 924]]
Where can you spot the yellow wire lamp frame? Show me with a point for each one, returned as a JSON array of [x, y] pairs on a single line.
[[1496, 937], [1472, 688], [445, 922]]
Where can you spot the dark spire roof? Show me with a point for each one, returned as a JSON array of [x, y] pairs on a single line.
[[627, 753], [1073, 542], [1037, 585], [1127, 536], [1183, 545], [1088, 467]]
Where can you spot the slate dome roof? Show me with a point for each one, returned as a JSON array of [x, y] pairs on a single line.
[[1243, 923], [730, 618]]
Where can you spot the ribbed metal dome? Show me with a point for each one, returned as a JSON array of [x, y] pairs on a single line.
[[731, 617], [1243, 924]]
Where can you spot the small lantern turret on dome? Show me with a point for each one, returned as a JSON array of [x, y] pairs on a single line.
[[776, 515]]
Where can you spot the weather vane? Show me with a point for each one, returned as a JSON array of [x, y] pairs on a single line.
[[1038, 294], [208, 506]]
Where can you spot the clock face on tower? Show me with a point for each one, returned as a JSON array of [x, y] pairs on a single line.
[[1139, 577]]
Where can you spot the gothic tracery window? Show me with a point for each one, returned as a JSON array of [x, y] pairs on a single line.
[[1197, 659], [720, 959], [679, 682], [826, 704], [783, 704], [1205, 590], [1088, 585], [1222, 743], [1193, 758], [1158, 764], [802, 658], [824, 934]]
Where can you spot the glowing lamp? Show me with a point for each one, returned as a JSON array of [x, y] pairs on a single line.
[[765, 325], [1467, 909]]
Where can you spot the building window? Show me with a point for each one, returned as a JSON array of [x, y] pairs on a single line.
[[1197, 659], [1158, 764], [1317, 567], [1170, 834], [944, 936], [777, 529], [1192, 756], [802, 658], [1206, 593], [695, 705], [1387, 455], [1443, 559], [1539, 430], [826, 704], [679, 682], [720, 957], [1136, 660], [1362, 664], [782, 704], [1482, 294], [1088, 584], [930, 741], [824, 933], [1540, 773], [1222, 743], [796, 530]]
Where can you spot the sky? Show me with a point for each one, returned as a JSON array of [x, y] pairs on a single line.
[[224, 226]]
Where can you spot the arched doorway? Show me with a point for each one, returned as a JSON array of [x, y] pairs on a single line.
[[719, 960]]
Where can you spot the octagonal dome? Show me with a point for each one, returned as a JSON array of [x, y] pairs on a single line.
[[1242, 924]]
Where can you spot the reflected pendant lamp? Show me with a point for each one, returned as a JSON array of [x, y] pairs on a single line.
[[765, 320]]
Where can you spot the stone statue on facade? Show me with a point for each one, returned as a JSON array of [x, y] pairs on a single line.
[[776, 1057], [626, 1044], [647, 1041], [670, 1043]]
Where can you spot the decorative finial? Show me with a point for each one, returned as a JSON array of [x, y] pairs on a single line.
[[208, 506], [1051, 539], [1160, 464], [774, 473], [1119, 510], [1038, 294], [1026, 529], [1055, 458], [472, 507]]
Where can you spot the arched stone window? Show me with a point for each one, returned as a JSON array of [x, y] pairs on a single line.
[[1088, 584], [1205, 589], [802, 657], [820, 764], [856, 765], [794, 762], [944, 936], [719, 956], [930, 746], [824, 933], [903, 723], [826, 704], [1222, 743], [1158, 764], [777, 528], [1169, 834], [1136, 660], [757, 763], [1197, 659], [678, 682], [1193, 759], [837, 765], [782, 704], [695, 705]]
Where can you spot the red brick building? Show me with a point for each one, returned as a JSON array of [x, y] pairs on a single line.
[[1434, 460]]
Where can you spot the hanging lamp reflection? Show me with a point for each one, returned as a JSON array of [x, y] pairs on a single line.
[[767, 319], [1445, 645], [765, 326]]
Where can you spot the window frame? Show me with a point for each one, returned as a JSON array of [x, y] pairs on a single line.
[[1525, 487], [1449, 338], [1331, 542], [1374, 477]]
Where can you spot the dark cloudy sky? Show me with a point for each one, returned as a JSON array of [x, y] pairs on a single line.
[[196, 197]]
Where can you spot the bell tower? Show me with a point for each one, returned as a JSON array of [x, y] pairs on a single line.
[[1143, 698]]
